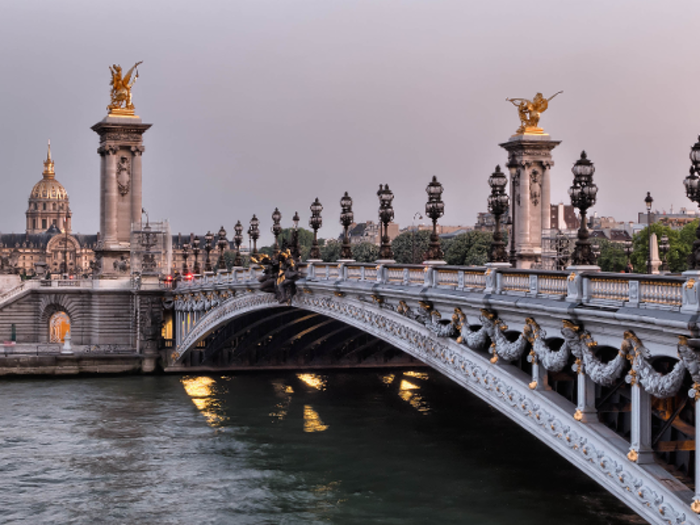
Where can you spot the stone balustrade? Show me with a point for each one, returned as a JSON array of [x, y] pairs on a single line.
[[585, 287]]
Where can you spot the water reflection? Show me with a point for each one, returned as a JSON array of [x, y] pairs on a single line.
[[316, 381], [312, 421], [417, 375], [408, 392], [203, 392], [284, 392]]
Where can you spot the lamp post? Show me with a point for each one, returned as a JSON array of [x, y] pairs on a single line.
[[434, 209], [315, 222], [386, 215], [413, 237], [237, 240], [195, 251], [295, 237], [346, 218], [223, 243], [664, 247], [562, 246], [254, 234], [276, 228], [185, 255], [208, 246], [692, 190], [583, 195], [649, 200], [498, 205]]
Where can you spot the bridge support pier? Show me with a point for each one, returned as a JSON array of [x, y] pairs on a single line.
[[585, 398], [640, 439]]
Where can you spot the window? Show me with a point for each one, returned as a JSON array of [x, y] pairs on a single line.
[[54, 206], [34, 223], [44, 206], [43, 222]]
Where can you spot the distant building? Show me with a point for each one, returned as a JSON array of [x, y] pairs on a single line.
[[368, 231], [563, 217], [674, 220]]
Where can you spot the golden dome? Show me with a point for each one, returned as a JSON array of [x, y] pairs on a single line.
[[48, 187]]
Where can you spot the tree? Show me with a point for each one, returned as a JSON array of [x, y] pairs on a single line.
[[365, 252], [469, 249], [330, 251], [410, 247], [612, 256], [681, 244]]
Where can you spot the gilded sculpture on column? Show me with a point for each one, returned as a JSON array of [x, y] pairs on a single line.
[[530, 111], [121, 104]]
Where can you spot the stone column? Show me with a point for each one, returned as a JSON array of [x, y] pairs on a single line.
[[110, 195], [528, 153], [546, 196], [136, 190], [640, 439]]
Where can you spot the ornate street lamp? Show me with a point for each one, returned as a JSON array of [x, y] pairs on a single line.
[[649, 200], [315, 222], [195, 251], [185, 255], [295, 237], [254, 234], [223, 244], [692, 190], [208, 246], [629, 248], [237, 240], [276, 227], [434, 209], [386, 215], [346, 218], [562, 245], [664, 247], [583, 195], [498, 205]]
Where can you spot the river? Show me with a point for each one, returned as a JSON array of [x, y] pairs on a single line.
[[390, 447]]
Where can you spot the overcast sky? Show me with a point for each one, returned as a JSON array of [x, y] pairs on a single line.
[[259, 104]]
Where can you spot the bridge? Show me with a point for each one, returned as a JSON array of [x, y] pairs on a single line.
[[598, 366]]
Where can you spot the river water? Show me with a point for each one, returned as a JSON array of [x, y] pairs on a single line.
[[360, 447]]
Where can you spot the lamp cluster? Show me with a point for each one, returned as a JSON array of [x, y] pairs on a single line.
[[498, 203], [583, 194]]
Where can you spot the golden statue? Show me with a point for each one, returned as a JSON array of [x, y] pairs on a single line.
[[121, 90], [529, 112]]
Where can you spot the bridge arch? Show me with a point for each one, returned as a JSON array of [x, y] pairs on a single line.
[[544, 414]]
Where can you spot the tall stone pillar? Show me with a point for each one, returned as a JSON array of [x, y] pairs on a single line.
[[120, 189], [529, 162]]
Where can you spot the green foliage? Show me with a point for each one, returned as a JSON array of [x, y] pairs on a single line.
[[230, 257], [330, 251], [681, 243], [365, 252], [410, 247], [612, 256], [469, 249]]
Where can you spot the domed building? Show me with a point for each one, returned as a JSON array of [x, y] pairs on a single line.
[[47, 244]]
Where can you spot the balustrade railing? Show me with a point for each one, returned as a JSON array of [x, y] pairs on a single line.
[[516, 282], [595, 288], [609, 289]]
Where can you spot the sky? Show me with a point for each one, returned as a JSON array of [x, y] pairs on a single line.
[[260, 104]]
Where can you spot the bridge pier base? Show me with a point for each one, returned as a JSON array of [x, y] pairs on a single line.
[[640, 439]]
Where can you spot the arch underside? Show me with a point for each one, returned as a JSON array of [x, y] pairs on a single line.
[[593, 448], [289, 337]]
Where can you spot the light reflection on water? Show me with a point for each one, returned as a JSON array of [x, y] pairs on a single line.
[[272, 449]]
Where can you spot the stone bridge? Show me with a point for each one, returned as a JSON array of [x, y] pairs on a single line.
[[600, 367]]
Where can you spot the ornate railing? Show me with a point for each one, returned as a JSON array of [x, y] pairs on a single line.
[[585, 287]]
